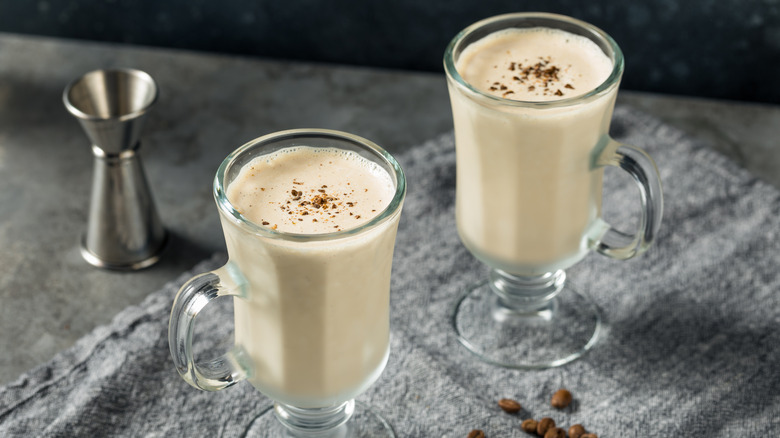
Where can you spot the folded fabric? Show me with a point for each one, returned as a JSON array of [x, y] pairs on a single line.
[[691, 348]]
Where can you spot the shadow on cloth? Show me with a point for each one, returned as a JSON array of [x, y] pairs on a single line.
[[693, 355]]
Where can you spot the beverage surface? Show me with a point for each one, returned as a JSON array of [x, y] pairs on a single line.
[[307, 190], [534, 64]]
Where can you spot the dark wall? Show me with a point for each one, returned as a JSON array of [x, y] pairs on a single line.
[[711, 48]]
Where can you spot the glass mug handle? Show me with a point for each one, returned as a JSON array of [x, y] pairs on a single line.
[[225, 370], [633, 160]]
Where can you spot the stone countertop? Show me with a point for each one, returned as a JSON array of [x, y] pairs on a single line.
[[208, 106]]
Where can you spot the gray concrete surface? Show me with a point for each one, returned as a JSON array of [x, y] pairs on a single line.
[[208, 106], [747, 133]]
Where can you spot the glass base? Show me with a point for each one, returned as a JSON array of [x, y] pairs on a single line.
[[554, 332], [360, 422]]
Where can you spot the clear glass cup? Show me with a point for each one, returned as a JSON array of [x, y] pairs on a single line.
[[311, 311], [528, 205]]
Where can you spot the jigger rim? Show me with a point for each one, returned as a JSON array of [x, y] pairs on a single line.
[[124, 117]]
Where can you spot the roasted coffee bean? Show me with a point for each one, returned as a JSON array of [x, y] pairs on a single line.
[[544, 425], [509, 405], [576, 431], [561, 398], [555, 432], [476, 433], [529, 425]]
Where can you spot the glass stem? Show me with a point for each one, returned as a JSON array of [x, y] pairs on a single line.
[[526, 293], [306, 422]]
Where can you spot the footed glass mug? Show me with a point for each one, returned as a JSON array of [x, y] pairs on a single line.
[[529, 188], [311, 310]]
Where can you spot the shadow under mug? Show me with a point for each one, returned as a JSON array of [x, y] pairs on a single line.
[[528, 204], [311, 311]]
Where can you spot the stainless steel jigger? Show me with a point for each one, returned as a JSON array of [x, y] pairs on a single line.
[[123, 230]]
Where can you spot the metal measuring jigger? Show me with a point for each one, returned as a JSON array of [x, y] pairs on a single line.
[[123, 228]]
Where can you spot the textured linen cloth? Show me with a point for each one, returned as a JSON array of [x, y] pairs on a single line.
[[692, 347]]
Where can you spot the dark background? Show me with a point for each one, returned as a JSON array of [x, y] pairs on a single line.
[[728, 49]]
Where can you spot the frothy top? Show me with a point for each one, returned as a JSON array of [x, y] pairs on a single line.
[[307, 190], [534, 64]]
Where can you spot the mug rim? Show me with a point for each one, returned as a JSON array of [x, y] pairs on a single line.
[[230, 212], [512, 19]]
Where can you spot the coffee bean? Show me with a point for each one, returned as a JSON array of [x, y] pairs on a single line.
[[529, 425], [561, 398], [544, 425], [555, 432], [576, 431], [590, 435], [476, 433], [509, 405]]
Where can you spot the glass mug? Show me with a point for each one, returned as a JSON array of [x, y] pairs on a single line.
[[311, 310], [528, 204]]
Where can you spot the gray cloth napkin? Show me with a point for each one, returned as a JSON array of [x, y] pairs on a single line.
[[692, 347]]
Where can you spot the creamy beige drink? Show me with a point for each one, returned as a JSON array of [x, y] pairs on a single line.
[[527, 194], [315, 320]]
